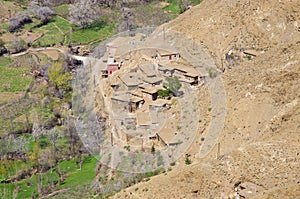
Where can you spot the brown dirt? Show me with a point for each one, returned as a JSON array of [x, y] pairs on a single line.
[[53, 54], [260, 141], [5, 6]]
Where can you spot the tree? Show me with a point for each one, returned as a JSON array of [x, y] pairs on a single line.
[[173, 84], [84, 12], [61, 79], [18, 44], [19, 20], [43, 13], [126, 20], [42, 10], [1, 43], [164, 93]]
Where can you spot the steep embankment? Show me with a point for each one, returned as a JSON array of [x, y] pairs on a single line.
[[260, 141]]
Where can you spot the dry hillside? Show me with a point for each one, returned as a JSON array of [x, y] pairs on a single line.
[[260, 152]]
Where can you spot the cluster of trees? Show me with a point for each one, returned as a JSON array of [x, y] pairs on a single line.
[[84, 12], [42, 10], [61, 79], [39, 9]]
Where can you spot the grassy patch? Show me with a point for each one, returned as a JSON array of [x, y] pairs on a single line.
[[54, 32], [62, 10], [63, 24], [52, 35], [58, 31], [29, 186], [6, 190], [11, 79], [3, 27], [30, 25], [97, 31], [76, 176], [173, 7], [8, 96]]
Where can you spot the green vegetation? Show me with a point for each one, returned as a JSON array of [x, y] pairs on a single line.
[[187, 160], [173, 84], [11, 79], [127, 148], [61, 79], [98, 31], [28, 26], [164, 93], [173, 7], [53, 33], [62, 10], [77, 176]]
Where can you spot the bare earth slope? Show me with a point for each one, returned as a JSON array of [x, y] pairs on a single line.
[[261, 138]]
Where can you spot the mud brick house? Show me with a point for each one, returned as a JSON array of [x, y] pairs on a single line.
[[150, 93], [131, 81], [186, 74], [124, 101]]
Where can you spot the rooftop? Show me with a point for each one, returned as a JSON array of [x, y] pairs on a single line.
[[121, 96], [126, 97], [165, 65], [148, 89], [167, 135], [148, 69], [131, 79], [160, 102], [110, 60], [189, 71], [143, 119], [152, 80]]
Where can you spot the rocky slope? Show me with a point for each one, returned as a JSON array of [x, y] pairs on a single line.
[[259, 145]]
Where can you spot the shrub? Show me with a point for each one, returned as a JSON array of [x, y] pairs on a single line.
[[188, 160]]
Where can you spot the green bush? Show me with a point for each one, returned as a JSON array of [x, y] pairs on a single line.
[[188, 160]]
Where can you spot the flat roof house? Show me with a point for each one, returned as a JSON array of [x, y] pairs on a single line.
[[149, 92], [165, 69], [187, 74], [153, 80], [167, 56], [125, 101], [143, 120], [131, 81], [148, 70], [166, 136]]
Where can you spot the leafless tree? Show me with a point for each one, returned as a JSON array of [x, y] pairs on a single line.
[[17, 21], [84, 12], [18, 44], [126, 20], [42, 10]]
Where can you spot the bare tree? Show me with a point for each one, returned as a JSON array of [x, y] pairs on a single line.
[[17, 21], [126, 20], [42, 10], [84, 12], [18, 44]]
